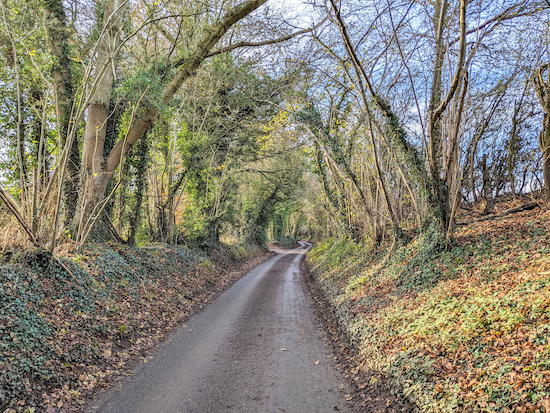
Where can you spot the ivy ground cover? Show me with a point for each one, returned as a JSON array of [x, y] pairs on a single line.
[[466, 330], [64, 337]]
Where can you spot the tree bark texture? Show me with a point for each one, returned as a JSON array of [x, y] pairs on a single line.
[[141, 185], [544, 141], [57, 31], [541, 80], [94, 176], [438, 107]]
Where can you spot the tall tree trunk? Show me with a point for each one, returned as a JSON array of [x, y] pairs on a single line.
[[544, 140], [473, 150], [434, 125], [58, 37], [438, 106], [94, 176], [512, 152], [38, 150], [541, 80], [141, 185]]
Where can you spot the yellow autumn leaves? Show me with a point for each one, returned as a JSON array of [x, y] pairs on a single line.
[[280, 122]]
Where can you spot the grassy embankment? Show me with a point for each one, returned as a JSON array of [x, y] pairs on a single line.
[[63, 336], [466, 330]]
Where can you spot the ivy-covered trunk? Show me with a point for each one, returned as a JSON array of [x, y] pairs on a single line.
[[58, 36], [544, 141], [541, 80], [141, 185]]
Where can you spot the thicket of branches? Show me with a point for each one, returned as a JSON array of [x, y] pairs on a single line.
[[418, 108], [187, 122], [142, 122]]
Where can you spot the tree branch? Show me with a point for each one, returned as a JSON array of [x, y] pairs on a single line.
[[507, 14], [187, 70], [460, 65], [265, 42]]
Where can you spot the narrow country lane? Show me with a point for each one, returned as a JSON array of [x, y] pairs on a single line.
[[255, 349]]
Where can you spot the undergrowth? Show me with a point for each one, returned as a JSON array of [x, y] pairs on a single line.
[[465, 330], [63, 335]]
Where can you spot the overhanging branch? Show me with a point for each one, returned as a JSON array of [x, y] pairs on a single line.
[[265, 42]]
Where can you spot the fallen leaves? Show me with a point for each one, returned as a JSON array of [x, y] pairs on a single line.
[[472, 324], [90, 334]]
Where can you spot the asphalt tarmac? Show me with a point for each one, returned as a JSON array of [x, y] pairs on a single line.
[[256, 348]]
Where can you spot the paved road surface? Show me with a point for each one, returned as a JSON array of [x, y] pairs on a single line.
[[229, 358]]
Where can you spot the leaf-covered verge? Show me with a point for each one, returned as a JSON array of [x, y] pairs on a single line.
[[63, 337], [465, 330]]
